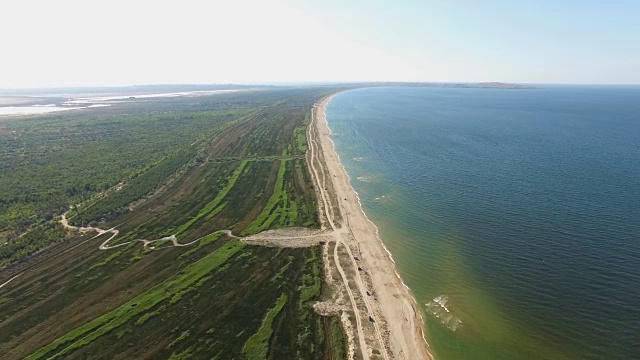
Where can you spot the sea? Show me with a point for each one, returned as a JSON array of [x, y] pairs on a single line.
[[513, 215]]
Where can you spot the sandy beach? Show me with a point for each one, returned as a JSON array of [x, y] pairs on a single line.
[[387, 322]]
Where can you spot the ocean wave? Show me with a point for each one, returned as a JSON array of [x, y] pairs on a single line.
[[439, 309], [364, 178]]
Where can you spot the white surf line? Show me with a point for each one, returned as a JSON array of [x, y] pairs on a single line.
[[10, 280]]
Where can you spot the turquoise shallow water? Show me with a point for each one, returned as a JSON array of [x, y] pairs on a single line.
[[513, 215]]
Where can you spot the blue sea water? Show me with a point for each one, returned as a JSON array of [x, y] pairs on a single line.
[[513, 215]]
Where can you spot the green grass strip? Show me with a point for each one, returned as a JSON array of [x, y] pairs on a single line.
[[203, 242], [87, 333], [300, 135], [143, 319], [337, 336], [185, 334], [265, 219], [257, 346], [183, 355], [105, 261], [210, 210]]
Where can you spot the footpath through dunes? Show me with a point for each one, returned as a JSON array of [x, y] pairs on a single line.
[[388, 324], [161, 279]]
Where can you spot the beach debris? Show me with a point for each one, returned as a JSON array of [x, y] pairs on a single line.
[[371, 319], [356, 258]]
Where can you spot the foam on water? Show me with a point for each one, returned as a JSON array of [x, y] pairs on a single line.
[[438, 308]]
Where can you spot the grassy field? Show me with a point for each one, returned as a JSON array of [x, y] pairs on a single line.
[[189, 167]]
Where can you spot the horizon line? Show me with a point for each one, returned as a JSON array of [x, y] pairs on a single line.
[[299, 83]]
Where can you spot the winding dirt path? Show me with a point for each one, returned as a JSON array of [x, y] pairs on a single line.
[[291, 237]]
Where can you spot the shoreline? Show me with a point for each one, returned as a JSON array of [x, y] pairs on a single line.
[[403, 321]]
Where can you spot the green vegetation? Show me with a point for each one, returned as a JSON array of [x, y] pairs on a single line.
[[282, 210], [104, 262], [203, 242], [40, 235], [49, 163], [272, 210], [113, 203], [309, 289], [185, 334], [336, 339], [143, 319], [232, 161], [87, 333], [300, 135], [183, 355], [257, 347], [213, 208]]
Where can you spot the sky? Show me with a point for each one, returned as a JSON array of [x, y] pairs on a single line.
[[101, 43]]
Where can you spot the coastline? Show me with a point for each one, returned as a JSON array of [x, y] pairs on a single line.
[[394, 305]]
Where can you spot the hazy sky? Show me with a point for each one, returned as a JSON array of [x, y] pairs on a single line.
[[114, 42]]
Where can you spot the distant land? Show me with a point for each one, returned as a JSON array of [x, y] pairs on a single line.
[[157, 88], [46, 100], [133, 89], [499, 85]]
